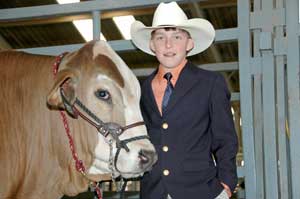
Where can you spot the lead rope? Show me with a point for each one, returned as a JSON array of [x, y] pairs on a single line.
[[78, 163]]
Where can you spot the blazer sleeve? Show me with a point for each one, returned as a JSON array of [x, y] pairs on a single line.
[[224, 138]]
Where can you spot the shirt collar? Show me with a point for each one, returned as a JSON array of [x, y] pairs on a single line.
[[175, 72]]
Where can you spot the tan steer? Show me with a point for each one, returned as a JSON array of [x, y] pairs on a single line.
[[35, 155]]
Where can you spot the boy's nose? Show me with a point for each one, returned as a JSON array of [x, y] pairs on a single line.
[[168, 43]]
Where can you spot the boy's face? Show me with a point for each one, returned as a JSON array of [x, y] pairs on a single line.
[[170, 46]]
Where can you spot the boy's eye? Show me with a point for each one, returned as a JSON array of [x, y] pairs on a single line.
[[159, 38]]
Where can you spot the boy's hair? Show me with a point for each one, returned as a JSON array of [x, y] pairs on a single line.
[[173, 29]]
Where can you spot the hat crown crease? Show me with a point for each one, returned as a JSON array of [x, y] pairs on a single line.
[[168, 14]]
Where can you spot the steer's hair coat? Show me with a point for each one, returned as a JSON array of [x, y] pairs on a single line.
[[35, 157]]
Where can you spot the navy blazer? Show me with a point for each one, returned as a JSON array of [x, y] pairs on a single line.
[[198, 132]]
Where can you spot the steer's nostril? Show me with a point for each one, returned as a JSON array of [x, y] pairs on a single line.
[[144, 157], [147, 159]]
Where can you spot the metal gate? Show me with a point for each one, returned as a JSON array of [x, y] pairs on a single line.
[[269, 90]]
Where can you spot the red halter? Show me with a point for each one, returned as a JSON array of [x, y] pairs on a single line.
[[78, 163]]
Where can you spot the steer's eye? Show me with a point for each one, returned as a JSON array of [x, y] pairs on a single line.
[[102, 94]]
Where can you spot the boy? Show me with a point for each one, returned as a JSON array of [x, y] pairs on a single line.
[[186, 110]]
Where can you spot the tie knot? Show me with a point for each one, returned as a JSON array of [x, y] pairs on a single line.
[[168, 76]]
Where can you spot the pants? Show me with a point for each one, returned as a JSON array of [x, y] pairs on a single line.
[[223, 195]]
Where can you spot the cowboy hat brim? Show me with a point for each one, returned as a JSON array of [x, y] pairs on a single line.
[[202, 32]]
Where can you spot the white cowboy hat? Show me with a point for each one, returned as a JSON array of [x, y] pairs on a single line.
[[171, 15]]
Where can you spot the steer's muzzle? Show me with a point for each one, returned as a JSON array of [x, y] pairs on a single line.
[[147, 159]]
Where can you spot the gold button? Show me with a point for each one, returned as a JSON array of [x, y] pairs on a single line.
[[165, 148], [165, 125], [166, 172]]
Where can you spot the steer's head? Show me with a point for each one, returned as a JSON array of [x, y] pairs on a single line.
[[105, 85]]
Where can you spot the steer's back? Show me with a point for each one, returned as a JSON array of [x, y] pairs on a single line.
[[24, 141]]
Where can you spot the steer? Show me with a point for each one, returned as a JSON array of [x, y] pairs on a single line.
[[101, 96]]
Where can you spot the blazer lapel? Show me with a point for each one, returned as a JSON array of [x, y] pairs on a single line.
[[185, 82], [149, 95]]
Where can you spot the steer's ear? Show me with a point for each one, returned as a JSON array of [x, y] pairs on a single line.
[[66, 80]]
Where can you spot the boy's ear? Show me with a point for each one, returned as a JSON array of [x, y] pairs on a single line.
[[190, 45], [152, 47]]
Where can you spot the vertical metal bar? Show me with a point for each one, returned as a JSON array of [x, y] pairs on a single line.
[[281, 116], [96, 25], [292, 27], [281, 128], [258, 135], [269, 112], [270, 152], [246, 97], [258, 118]]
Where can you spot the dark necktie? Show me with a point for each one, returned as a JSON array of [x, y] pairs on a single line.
[[168, 91]]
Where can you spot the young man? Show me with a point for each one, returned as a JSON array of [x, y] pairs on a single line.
[[187, 112]]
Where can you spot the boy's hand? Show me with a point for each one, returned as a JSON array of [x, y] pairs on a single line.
[[227, 189]]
